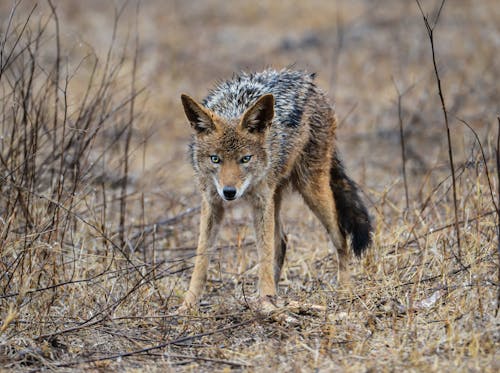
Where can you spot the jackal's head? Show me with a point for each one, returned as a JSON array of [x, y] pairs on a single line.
[[230, 153]]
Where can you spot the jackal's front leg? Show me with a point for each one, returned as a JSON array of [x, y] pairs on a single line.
[[263, 211], [210, 219]]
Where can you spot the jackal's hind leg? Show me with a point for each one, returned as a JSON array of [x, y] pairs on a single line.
[[318, 195]]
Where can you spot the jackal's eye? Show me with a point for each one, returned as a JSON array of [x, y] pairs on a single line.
[[215, 159], [246, 159]]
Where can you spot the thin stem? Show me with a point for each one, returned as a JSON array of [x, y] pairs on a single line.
[[430, 33]]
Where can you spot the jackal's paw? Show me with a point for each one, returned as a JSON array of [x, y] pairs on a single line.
[[268, 305], [275, 309], [183, 310], [286, 311], [187, 308], [304, 308], [189, 305]]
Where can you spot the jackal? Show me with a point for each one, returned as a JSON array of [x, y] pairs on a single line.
[[254, 136]]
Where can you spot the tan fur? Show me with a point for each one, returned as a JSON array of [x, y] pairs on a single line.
[[301, 155]]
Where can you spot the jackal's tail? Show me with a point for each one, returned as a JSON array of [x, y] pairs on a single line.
[[352, 214]]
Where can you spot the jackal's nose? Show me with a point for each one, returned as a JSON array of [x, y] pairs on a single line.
[[229, 192]]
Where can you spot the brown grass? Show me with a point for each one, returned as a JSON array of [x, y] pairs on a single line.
[[99, 211]]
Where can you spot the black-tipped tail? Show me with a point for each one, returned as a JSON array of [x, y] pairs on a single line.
[[352, 214]]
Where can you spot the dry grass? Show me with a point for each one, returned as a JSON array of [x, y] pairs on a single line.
[[98, 210]]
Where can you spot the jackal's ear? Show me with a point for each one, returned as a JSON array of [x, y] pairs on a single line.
[[198, 116], [259, 116]]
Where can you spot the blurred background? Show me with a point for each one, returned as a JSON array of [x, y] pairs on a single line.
[[363, 52]]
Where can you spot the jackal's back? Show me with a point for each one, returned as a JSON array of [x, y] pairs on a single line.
[[291, 90]]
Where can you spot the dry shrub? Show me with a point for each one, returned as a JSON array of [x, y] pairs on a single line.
[[63, 189]]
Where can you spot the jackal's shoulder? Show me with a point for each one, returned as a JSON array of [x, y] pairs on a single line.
[[291, 90]]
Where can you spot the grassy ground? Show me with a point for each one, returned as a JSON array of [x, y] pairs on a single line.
[[99, 210]]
